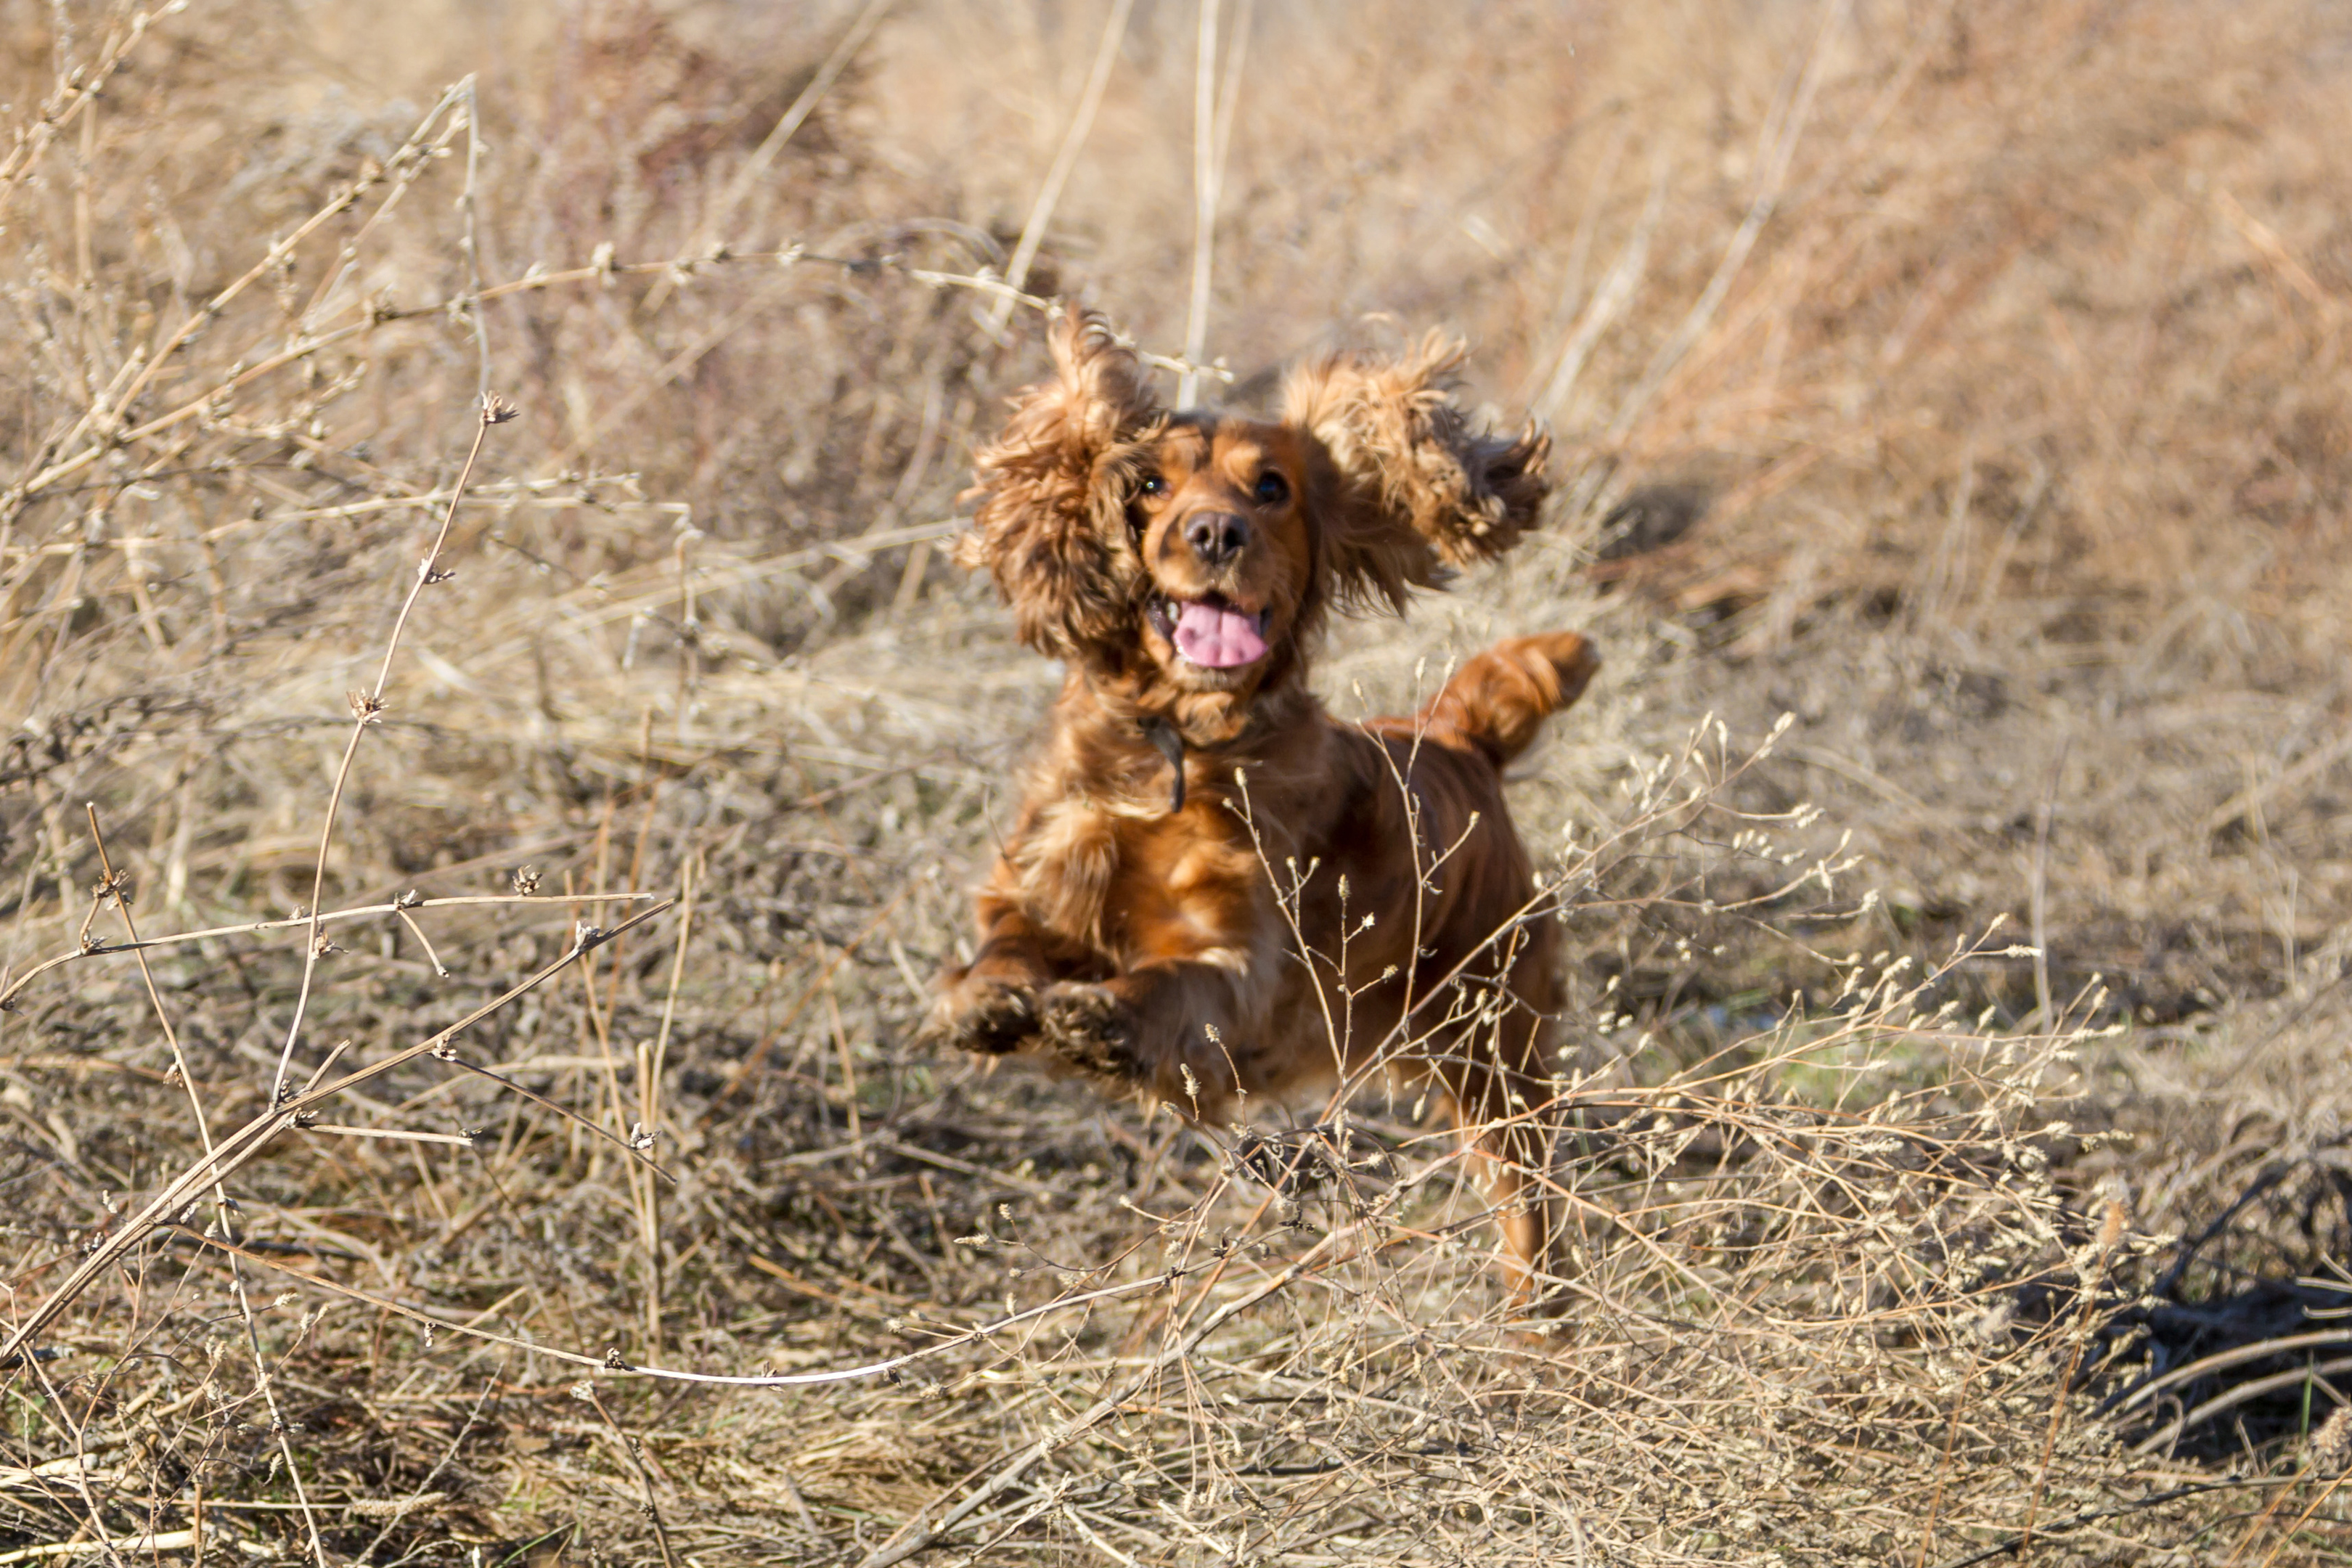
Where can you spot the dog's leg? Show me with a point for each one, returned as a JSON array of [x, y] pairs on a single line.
[[1181, 1031], [1503, 1110], [1195, 963], [990, 1005], [1494, 1065]]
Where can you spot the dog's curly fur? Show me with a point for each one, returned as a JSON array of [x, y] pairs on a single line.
[[1182, 565]]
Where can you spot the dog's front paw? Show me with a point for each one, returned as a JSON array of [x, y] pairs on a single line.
[[1088, 1028], [989, 1018]]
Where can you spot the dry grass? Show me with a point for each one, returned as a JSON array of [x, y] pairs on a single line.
[[1965, 381]]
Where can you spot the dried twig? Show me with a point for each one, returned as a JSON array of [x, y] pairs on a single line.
[[115, 888], [366, 708], [1065, 158], [16, 987], [633, 1452]]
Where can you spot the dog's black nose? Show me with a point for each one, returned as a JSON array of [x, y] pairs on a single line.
[[1217, 537]]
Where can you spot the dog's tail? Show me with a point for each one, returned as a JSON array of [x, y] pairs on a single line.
[[1496, 702]]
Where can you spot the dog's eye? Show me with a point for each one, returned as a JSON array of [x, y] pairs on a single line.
[[1273, 489], [1151, 485]]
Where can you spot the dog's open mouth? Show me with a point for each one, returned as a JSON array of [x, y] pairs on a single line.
[[1209, 632]]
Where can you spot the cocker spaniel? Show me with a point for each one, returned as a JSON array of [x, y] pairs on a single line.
[[1213, 889]]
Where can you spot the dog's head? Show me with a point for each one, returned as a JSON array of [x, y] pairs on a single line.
[[1196, 551]]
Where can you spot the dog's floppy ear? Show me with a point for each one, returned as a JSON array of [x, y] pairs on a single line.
[[1416, 486], [1052, 522]]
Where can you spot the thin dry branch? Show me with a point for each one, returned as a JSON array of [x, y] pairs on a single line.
[[612, 1363], [755, 168], [1065, 158], [367, 708], [15, 988], [115, 888]]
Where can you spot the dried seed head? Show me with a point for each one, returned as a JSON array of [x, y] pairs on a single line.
[[497, 410], [526, 879], [2113, 1224], [365, 708], [1992, 1328], [2330, 1450]]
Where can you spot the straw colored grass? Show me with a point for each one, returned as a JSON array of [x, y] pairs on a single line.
[[1955, 457]]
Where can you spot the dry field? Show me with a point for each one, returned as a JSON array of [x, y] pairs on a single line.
[[530, 1161]]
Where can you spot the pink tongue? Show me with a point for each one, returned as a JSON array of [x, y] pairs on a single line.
[[1218, 639]]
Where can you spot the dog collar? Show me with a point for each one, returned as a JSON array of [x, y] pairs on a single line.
[[1169, 743]]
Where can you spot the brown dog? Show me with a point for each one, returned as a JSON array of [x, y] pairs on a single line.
[[1212, 888]]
